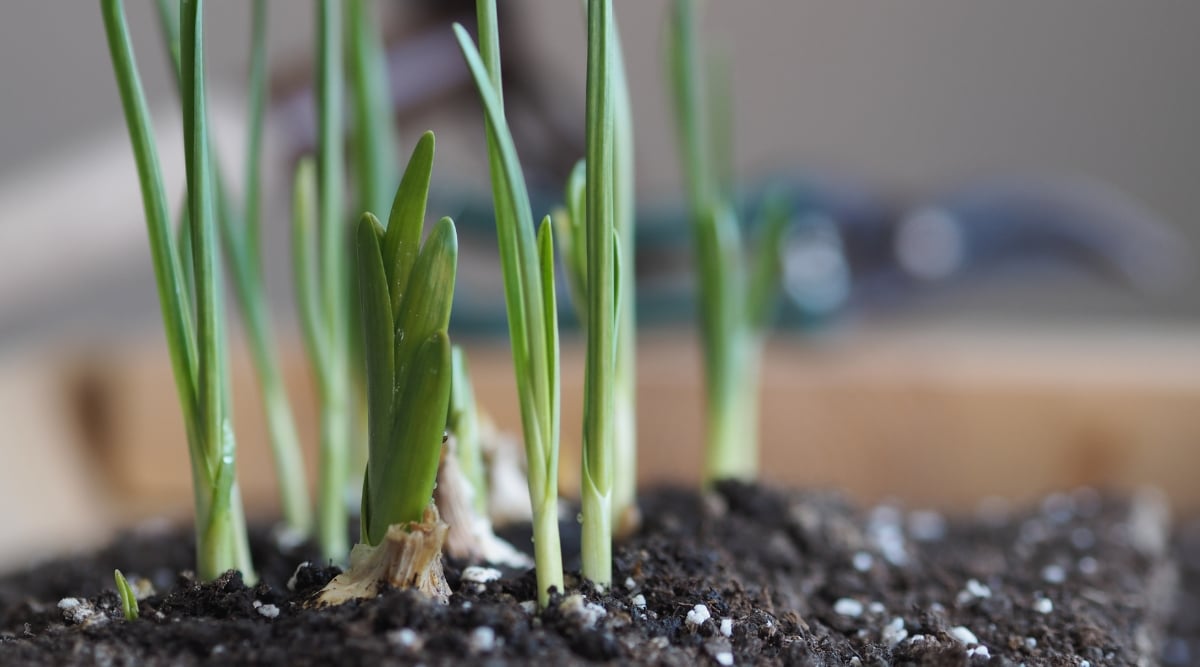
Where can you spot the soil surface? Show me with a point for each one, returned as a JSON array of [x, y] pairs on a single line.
[[744, 575]]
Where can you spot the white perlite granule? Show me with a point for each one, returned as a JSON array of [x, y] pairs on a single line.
[[483, 639], [862, 561], [1054, 574], [727, 627], [266, 610], [480, 575], [977, 589], [963, 635], [80, 612], [724, 658], [638, 601], [698, 615], [587, 614], [894, 632], [1043, 605], [979, 652], [404, 638], [848, 607]]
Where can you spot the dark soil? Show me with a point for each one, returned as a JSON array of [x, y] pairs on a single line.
[[746, 575]]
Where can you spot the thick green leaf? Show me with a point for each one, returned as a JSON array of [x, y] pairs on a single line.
[[426, 308], [407, 218], [403, 474], [378, 333]]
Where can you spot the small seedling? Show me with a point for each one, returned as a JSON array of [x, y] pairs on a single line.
[[528, 267], [406, 290], [129, 603], [735, 300], [195, 338]]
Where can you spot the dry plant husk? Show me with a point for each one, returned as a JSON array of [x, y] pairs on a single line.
[[410, 556], [470, 537]]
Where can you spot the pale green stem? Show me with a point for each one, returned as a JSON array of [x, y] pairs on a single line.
[[332, 232], [547, 550], [597, 479], [732, 451], [624, 205]]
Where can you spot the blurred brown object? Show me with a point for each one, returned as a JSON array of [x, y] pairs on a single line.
[[940, 418]]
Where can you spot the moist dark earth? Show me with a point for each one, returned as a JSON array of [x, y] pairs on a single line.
[[738, 576]]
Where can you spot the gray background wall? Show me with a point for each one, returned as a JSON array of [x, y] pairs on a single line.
[[915, 95]]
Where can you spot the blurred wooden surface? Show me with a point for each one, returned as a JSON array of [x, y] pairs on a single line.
[[940, 418]]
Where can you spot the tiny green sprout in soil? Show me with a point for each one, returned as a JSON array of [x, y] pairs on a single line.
[[129, 603], [735, 300]]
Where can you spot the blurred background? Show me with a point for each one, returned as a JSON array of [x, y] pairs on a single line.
[[990, 289]]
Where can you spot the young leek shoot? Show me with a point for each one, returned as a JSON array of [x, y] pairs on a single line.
[[528, 267]]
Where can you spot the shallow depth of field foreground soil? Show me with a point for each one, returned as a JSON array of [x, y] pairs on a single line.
[[745, 575]]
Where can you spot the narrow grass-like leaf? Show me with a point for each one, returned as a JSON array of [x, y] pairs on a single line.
[[304, 265], [768, 262], [335, 312], [407, 218], [217, 536], [373, 137], [241, 239], [687, 97], [534, 356], [173, 298], [168, 20], [572, 238], [256, 105], [732, 304], [183, 245], [596, 486], [403, 477], [550, 322], [129, 602]]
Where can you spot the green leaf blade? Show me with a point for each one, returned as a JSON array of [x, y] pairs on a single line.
[[405, 471], [378, 333], [407, 218], [426, 308]]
